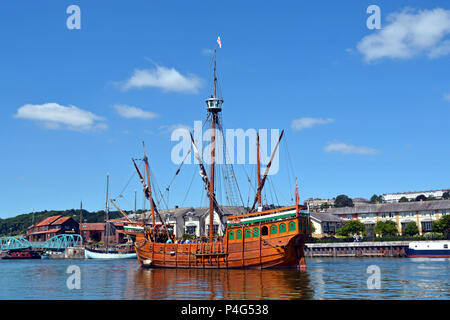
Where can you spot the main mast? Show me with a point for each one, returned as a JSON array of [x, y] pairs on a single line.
[[214, 106]]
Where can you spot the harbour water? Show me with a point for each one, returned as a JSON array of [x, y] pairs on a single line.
[[325, 278]]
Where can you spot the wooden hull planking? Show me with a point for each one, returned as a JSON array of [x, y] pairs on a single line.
[[278, 250]]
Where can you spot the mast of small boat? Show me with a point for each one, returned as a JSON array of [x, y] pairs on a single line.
[[152, 206], [107, 213]]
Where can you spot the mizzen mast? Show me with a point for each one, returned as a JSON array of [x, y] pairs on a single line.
[[259, 171]]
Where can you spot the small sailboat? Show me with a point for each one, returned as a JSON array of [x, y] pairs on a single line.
[[113, 254], [108, 253]]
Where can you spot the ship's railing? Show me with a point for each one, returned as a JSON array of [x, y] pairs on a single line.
[[237, 218]]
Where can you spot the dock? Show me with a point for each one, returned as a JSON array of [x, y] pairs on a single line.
[[357, 249]]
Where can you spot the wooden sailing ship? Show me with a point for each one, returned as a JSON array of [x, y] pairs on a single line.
[[259, 239]]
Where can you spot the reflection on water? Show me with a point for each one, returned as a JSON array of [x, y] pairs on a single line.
[[325, 278], [219, 284]]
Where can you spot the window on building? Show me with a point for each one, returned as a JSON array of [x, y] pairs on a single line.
[[248, 233], [239, 234], [191, 229], [431, 213], [372, 215], [444, 212], [349, 216], [383, 215], [411, 214], [403, 214], [363, 216], [282, 227], [391, 214], [426, 226], [423, 213], [256, 232], [231, 235]]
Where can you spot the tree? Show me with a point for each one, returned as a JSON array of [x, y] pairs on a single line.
[[421, 197], [325, 205], [403, 199], [442, 225], [313, 228], [411, 229], [351, 227], [446, 195], [376, 199], [343, 201], [385, 228]]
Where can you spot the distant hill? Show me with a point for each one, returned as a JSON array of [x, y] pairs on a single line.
[[18, 225]]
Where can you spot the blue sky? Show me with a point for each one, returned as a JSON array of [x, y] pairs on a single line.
[[365, 111]]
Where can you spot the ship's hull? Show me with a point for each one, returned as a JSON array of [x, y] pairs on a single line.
[[281, 250]]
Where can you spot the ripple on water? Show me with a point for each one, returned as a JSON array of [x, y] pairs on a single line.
[[325, 278]]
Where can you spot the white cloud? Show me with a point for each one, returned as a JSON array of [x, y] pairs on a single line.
[[304, 123], [168, 129], [447, 97], [167, 79], [134, 112], [207, 52], [55, 116], [348, 148], [409, 33]]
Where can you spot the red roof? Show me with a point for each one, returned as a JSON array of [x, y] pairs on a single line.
[[60, 221], [48, 221], [96, 226], [47, 231]]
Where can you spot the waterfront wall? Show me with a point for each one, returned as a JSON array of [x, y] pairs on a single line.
[[357, 249]]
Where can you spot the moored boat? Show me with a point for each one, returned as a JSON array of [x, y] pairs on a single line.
[[13, 255], [91, 254], [428, 249]]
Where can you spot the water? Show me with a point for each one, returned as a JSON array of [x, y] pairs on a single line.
[[325, 278]]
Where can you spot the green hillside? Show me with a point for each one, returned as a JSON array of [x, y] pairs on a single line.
[[18, 225]]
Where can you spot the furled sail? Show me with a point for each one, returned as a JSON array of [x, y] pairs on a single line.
[[205, 179]]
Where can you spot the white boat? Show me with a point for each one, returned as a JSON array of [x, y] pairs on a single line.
[[429, 249], [108, 255]]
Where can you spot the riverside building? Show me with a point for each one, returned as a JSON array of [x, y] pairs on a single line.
[[423, 213]]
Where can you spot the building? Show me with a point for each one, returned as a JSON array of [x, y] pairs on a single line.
[[360, 201], [395, 197], [96, 232], [315, 204], [52, 226], [423, 213], [194, 221], [325, 224]]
